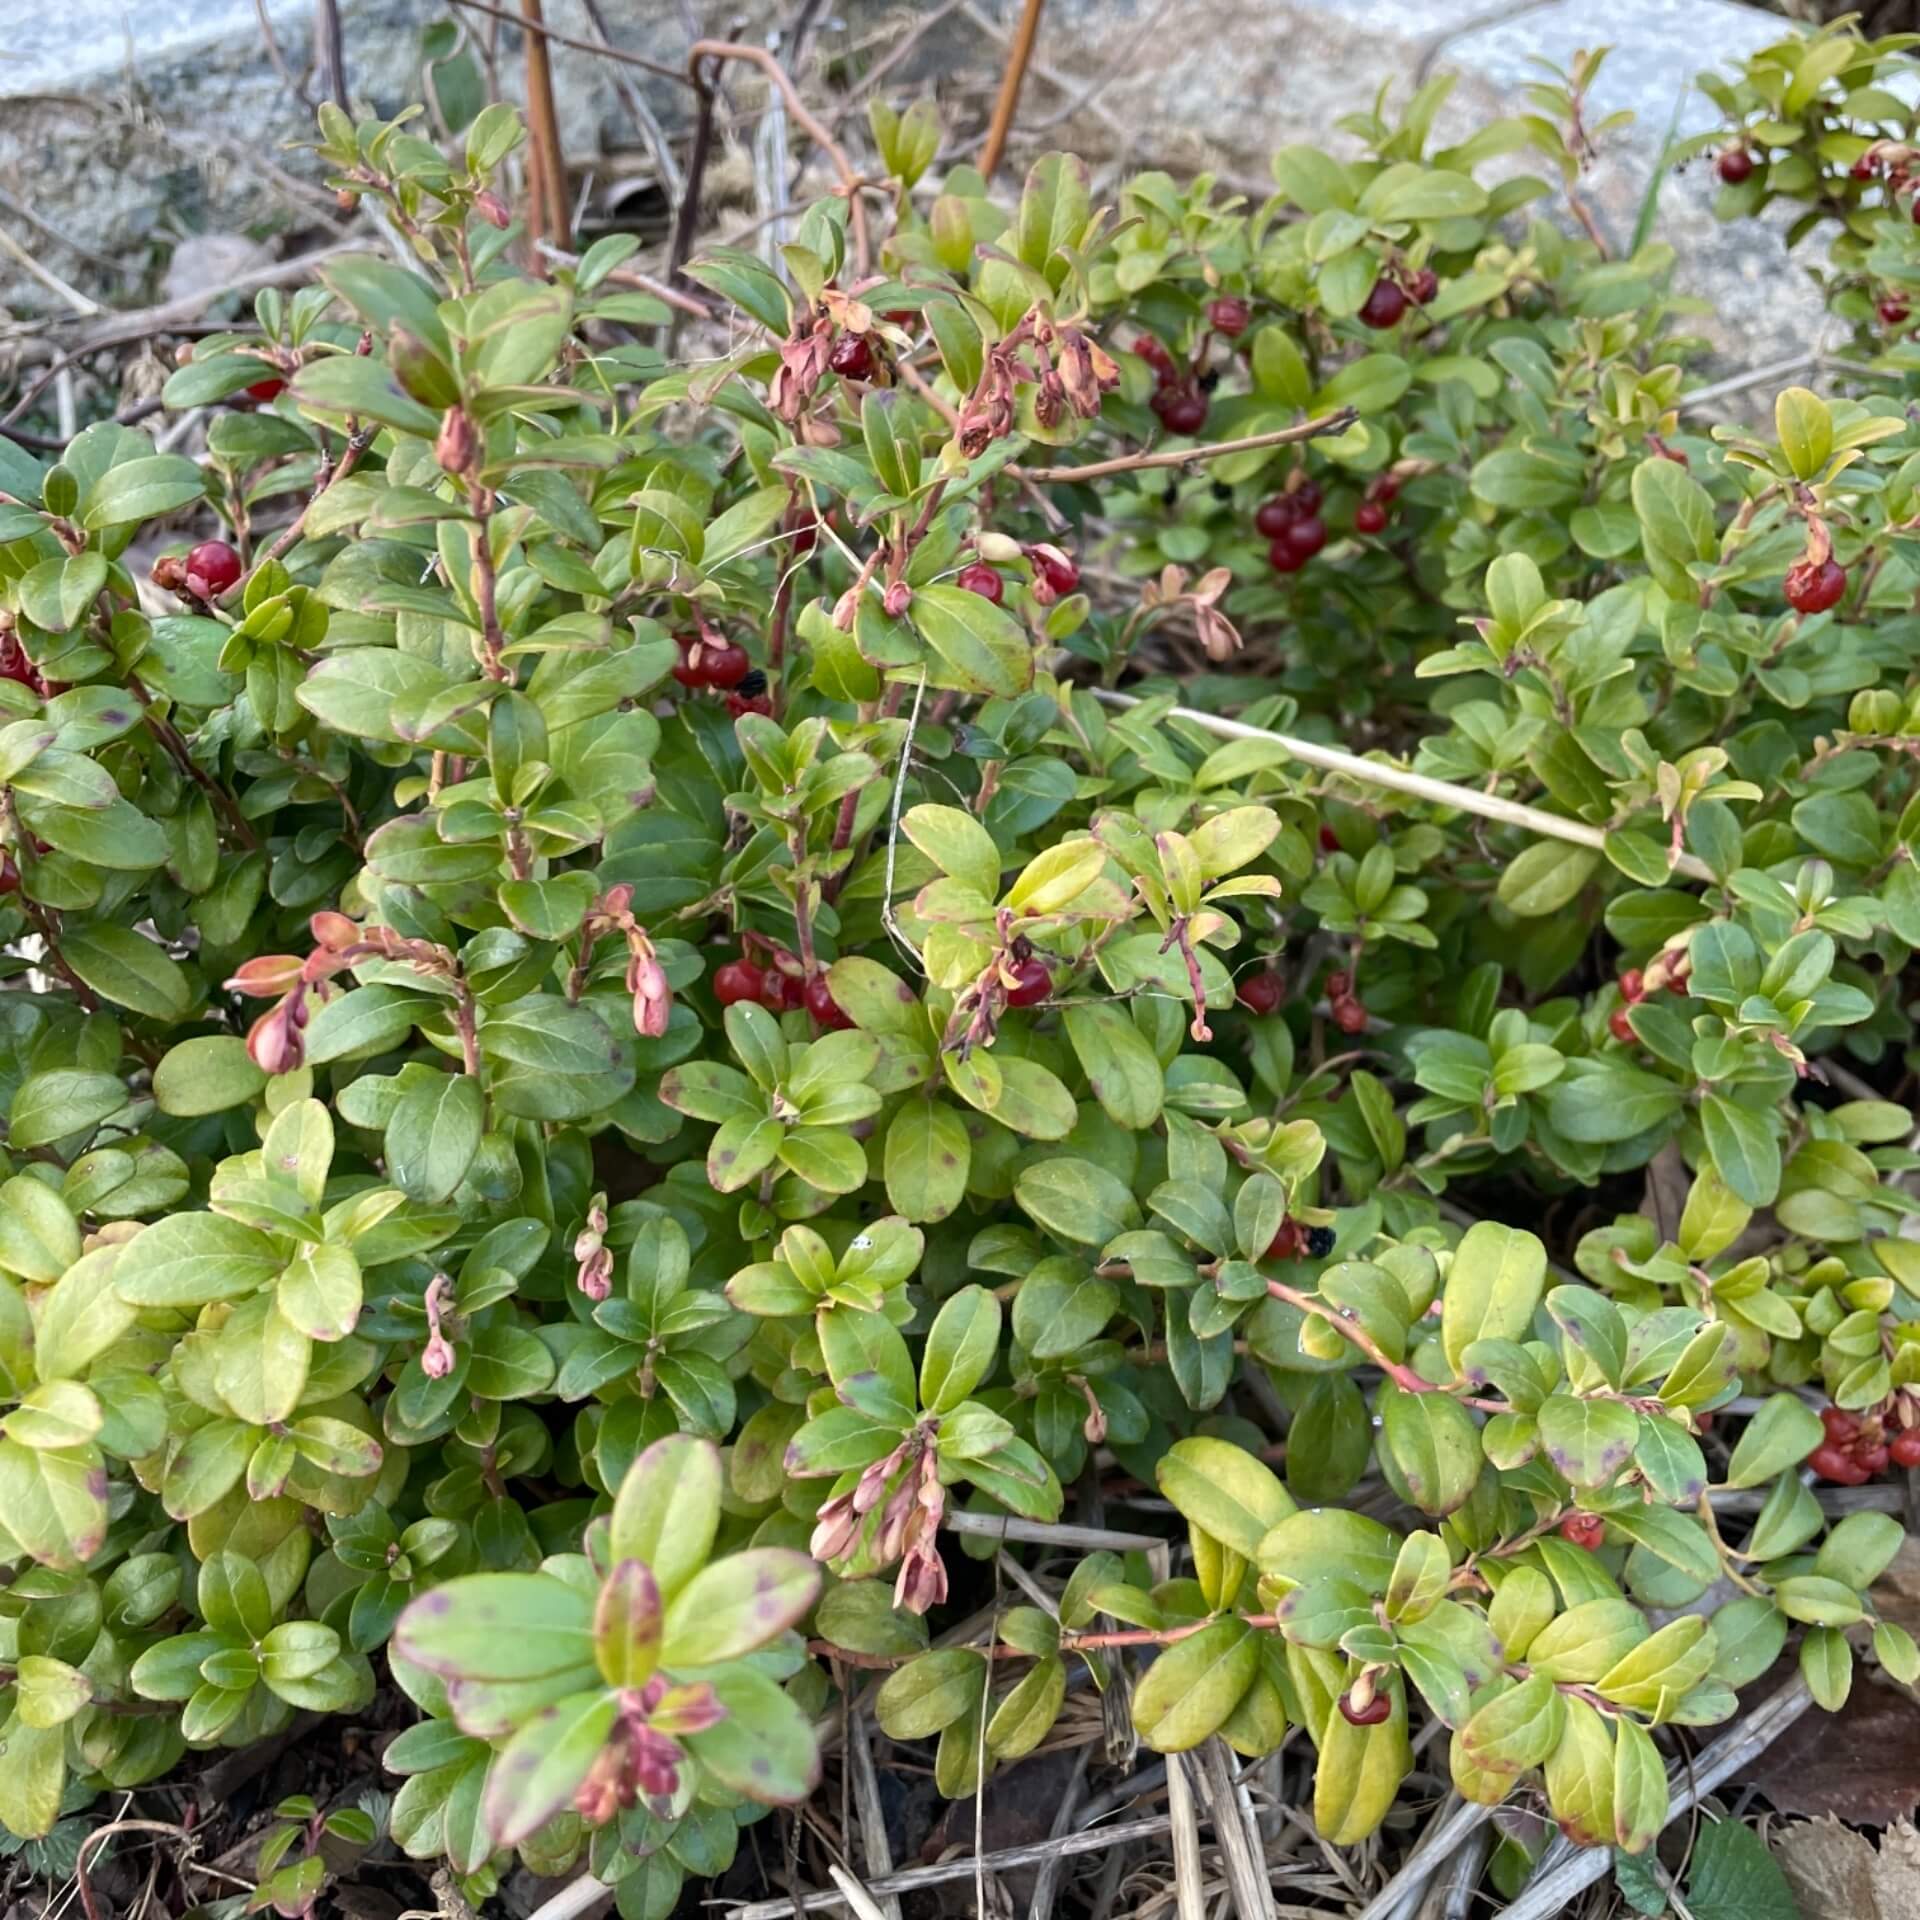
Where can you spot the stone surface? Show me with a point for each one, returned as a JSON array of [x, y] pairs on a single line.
[[127, 145]]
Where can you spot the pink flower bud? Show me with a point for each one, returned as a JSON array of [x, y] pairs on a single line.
[[492, 209]]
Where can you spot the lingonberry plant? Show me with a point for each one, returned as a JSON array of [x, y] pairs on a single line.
[[633, 1044]]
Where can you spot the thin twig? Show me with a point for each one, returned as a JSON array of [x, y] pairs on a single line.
[[555, 38], [547, 214], [1440, 793], [278, 60], [850, 182], [138, 324], [1011, 81], [1336, 422], [74, 298]]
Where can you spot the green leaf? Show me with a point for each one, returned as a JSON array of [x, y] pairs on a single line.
[[191, 1259], [1780, 1435], [1493, 1287], [1734, 1877], [1223, 1490], [738, 1604], [1805, 426], [962, 1347], [765, 1749], [1194, 1685], [499, 1626], [208, 1074], [540, 1769], [929, 1694], [668, 1510], [980, 647], [141, 489], [434, 1134], [1589, 1441], [132, 972], [1745, 1152]]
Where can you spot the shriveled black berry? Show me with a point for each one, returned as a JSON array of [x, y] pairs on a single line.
[[1210, 379], [1319, 1242], [752, 684], [1221, 491]]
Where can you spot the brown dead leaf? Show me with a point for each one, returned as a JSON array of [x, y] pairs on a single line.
[[1862, 1763], [1837, 1874]]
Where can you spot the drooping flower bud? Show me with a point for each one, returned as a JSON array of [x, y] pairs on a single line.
[[458, 446]]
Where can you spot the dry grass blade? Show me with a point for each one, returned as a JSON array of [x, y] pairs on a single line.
[[1240, 1851], [1189, 1877], [873, 1822]]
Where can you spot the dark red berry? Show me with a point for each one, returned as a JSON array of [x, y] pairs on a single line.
[[212, 567], [1384, 306], [1154, 353], [1306, 536], [1369, 517], [688, 673], [1282, 558], [852, 356], [1892, 311], [1329, 840], [1273, 517], [739, 703], [268, 389], [782, 992], [1262, 992], [1622, 1028], [1842, 1427], [1229, 315], [1423, 286], [804, 534], [981, 579], [1735, 165], [824, 1007], [1306, 498], [725, 665], [1386, 487], [1873, 1458], [1031, 982], [1057, 569], [1349, 1016], [1339, 984], [1287, 1243], [1836, 1464], [1865, 167], [10, 883], [1904, 1447], [1633, 985], [738, 980], [1376, 1710], [1812, 588], [1182, 408]]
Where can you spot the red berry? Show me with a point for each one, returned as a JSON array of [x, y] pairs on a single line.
[[823, 1006], [1061, 574], [1813, 589], [1893, 311], [1329, 840], [10, 883], [1584, 1530], [1349, 1016], [1622, 1028], [738, 703], [725, 665], [1423, 286], [1834, 1463], [1633, 985], [1154, 353], [1031, 982], [738, 980], [1229, 315], [1262, 992], [1386, 487], [852, 356], [1306, 536], [1339, 984], [1843, 1428], [1871, 1459], [1369, 517], [1306, 498], [1282, 558], [782, 992], [1904, 1448], [804, 534], [981, 579], [1376, 1710], [1865, 167], [1273, 517], [1182, 409], [268, 389], [212, 567], [1287, 1244], [1735, 165], [1384, 306]]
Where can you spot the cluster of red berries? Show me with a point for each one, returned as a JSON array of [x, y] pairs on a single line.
[[1814, 586], [1348, 1014], [1390, 296], [1370, 516], [1734, 165], [1295, 1242], [1291, 524], [1634, 989], [1584, 1530], [778, 991], [1858, 1446], [722, 666], [1179, 395], [1262, 992]]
